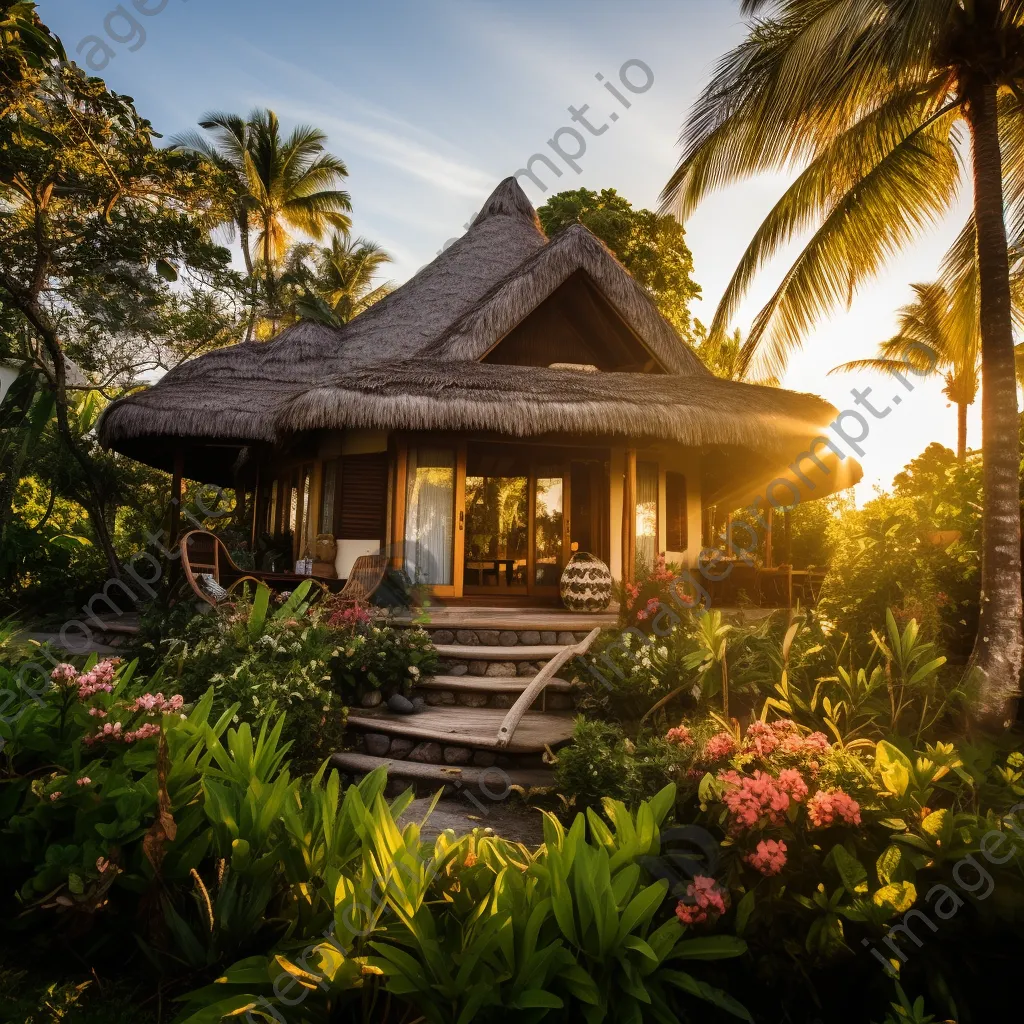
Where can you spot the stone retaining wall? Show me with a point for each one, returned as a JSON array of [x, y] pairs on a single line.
[[506, 637], [404, 748]]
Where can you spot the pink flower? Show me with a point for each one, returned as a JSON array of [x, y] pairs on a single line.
[[144, 732], [703, 898], [680, 735], [55, 796], [97, 712], [719, 747], [754, 801], [641, 615], [792, 783], [100, 679], [761, 739], [64, 673], [157, 704], [83, 781], [769, 857], [102, 864], [806, 746], [827, 805]]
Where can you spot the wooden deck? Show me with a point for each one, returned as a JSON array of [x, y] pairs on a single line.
[[490, 780], [478, 652], [487, 684], [469, 727], [541, 619]]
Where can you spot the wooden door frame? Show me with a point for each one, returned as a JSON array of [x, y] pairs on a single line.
[[458, 445]]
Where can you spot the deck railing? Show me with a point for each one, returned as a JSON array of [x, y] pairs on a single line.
[[537, 685]]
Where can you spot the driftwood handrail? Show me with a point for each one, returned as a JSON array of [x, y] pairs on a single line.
[[511, 721]]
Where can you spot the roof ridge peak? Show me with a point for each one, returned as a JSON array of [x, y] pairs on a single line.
[[508, 200]]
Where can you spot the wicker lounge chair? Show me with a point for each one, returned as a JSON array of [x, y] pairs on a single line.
[[366, 575]]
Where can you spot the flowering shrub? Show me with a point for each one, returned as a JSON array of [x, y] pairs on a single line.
[[265, 663], [380, 657], [656, 590]]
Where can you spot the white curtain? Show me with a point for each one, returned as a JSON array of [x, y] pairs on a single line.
[[429, 515], [646, 513]]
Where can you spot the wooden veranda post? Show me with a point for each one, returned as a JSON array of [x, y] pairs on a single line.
[[398, 511], [176, 495], [629, 518]]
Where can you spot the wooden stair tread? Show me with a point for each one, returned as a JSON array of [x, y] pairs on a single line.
[[469, 727], [493, 779], [489, 684], [517, 653]]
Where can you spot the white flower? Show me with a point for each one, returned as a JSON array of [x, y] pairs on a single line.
[[663, 653], [414, 672]]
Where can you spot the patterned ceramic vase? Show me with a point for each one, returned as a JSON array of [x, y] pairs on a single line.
[[586, 584]]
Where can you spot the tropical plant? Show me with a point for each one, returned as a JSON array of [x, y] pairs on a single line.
[[938, 332], [459, 928], [723, 355], [277, 185], [868, 98], [340, 275], [263, 661], [94, 256]]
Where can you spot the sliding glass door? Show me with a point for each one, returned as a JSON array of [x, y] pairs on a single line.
[[516, 525]]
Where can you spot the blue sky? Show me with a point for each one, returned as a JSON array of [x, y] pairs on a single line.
[[431, 102]]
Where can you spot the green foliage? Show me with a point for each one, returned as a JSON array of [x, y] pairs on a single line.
[[460, 928], [915, 551], [372, 656], [264, 660], [650, 245], [602, 762]]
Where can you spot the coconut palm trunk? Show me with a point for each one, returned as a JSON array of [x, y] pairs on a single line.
[[961, 431], [996, 658]]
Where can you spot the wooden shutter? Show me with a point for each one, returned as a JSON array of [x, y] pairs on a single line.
[[362, 510], [675, 512]]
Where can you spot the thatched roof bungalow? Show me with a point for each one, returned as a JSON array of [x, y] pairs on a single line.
[[515, 399]]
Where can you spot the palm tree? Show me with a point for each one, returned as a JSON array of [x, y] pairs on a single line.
[[937, 334], [335, 282], [278, 184], [722, 354], [869, 98], [346, 268]]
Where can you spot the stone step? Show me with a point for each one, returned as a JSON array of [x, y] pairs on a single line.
[[493, 783], [488, 684], [485, 653], [475, 728]]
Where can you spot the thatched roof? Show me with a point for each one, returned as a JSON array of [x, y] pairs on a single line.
[[234, 392], [412, 361], [514, 298], [523, 401]]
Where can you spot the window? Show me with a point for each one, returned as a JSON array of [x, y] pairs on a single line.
[[676, 538], [361, 510]]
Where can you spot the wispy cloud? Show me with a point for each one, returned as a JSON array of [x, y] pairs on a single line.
[[376, 133]]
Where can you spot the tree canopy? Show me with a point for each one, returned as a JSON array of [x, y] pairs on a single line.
[[651, 246]]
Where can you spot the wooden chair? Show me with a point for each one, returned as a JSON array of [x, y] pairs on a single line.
[[364, 578], [205, 554]]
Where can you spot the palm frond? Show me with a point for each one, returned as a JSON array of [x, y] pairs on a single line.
[[815, 192], [904, 193]]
